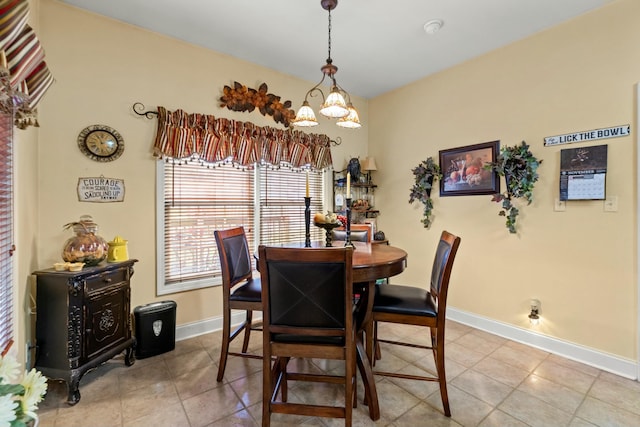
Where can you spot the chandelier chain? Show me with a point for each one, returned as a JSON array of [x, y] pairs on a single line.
[[329, 43]]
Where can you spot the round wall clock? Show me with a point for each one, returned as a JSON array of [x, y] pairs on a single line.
[[100, 143]]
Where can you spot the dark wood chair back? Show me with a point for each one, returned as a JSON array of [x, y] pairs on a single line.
[[240, 291], [441, 271], [307, 296], [416, 306], [235, 260], [359, 233]]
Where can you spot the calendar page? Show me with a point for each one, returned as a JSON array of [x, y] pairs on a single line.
[[583, 172]]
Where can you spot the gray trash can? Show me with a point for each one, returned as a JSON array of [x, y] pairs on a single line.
[[155, 328]]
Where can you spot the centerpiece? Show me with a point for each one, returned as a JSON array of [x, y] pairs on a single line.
[[328, 222]]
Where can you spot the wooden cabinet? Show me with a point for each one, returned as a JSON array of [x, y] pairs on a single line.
[[82, 320]]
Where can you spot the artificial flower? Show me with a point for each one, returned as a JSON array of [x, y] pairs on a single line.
[[8, 408], [9, 369], [35, 386]]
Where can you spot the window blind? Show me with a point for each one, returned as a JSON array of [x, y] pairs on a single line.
[[282, 194], [6, 229], [198, 201]]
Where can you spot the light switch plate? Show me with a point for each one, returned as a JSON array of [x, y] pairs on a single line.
[[611, 204]]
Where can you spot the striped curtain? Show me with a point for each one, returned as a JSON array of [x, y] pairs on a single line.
[[23, 56], [183, 136], [13, 18]]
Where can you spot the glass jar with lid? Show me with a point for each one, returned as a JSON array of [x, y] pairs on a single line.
[[86, 246]]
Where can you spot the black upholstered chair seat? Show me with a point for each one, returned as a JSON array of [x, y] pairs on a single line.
[[250, 291], [398, 299]]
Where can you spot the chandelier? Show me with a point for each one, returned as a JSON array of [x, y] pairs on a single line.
[[333, 106]]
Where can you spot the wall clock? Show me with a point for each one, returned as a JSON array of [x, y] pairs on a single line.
[[100, 143]]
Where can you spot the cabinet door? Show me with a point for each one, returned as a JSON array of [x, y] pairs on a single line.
[[107, 319]]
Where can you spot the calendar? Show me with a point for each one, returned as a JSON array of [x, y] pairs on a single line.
[[583, 173]]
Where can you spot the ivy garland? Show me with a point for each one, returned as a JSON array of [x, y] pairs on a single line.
[[425, 174], [520, 168]]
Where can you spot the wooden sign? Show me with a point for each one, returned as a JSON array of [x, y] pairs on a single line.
[[100, 189], [588, 135]]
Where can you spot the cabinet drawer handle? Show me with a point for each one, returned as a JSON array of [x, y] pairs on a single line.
[[107, 280]]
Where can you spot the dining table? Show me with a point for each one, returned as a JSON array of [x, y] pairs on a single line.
[[370, 263]]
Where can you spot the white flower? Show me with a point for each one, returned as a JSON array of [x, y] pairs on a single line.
[[9, 369], [7, 410], [35, 386]]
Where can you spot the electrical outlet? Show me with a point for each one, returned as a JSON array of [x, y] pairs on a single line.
[[560, 206], [611, 204]]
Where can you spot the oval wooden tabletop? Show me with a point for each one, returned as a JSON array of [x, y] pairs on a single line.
[[372, 262]]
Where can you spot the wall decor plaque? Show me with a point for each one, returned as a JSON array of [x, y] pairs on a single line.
[[100, 189], [588, 135]]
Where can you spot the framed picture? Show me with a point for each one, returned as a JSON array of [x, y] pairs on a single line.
[[463, 173]]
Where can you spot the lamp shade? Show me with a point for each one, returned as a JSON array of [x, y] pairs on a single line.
[[334, 106], [352, 120], [305, 116], [369, 164]]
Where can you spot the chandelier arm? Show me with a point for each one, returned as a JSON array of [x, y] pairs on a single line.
[[316, 88]]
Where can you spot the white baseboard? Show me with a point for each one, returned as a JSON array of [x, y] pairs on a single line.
[[190, 330], [624, 367]]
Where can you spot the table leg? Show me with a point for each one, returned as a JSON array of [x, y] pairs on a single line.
[[366, 372], [364, 361]]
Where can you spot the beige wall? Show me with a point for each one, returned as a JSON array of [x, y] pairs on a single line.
[[578, 76], [101, 68], [581, 264]]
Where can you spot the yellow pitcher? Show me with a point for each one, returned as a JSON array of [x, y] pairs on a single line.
[[117, 250]]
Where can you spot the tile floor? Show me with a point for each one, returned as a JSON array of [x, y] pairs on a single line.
[[493, 382]]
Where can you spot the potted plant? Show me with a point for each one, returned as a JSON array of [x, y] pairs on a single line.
[[519, 167], [424, 174]]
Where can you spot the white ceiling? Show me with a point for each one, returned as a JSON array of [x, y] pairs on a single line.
[[377, 45]]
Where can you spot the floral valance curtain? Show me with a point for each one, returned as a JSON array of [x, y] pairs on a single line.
[[213, 140], [24, 75]]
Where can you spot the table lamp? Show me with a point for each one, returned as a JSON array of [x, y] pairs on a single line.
[[368, 165]]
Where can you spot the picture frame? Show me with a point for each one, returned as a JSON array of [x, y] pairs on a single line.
[[463, 172]]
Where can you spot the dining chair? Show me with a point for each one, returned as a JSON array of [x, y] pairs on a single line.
[[307, 295], [359, 233], [240, 291], [410, 305]]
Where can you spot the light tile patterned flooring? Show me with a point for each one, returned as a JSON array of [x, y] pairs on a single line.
[[493, 382]]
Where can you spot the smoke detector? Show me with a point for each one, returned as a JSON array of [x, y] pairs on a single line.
[[433, 26]]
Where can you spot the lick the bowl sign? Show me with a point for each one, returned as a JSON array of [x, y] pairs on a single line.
[[100, 189], [588, 135]]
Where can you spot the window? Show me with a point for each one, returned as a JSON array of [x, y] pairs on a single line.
[[6, 229], [194, 201], [282, 205]]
